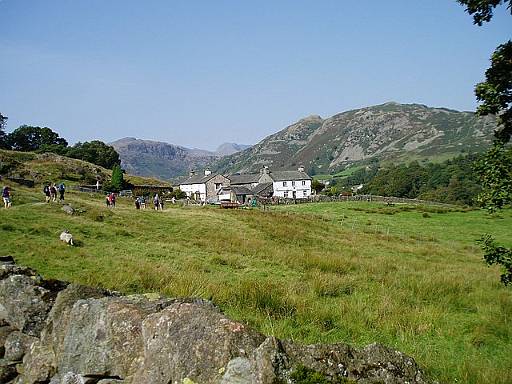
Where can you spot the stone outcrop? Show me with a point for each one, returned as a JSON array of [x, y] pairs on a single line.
[[58, 333]]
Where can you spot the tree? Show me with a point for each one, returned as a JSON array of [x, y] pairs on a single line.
[[96, 152], [3, 122], [495, 95], [482, 9], [28, 138], [317, 186], [117, 181]]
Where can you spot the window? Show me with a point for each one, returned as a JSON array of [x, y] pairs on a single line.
[[293, 183], [303, 182], [285, 193], [284, 183], [218, 185], [305, 193]]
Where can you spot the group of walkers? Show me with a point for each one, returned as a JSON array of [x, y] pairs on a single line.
[[158, 202], [50, 191], [6, 196]]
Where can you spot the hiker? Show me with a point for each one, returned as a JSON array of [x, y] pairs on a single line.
[[46, 191], [143, 202], [161, 204], [6, 195], [137, 203], [53, 192], [156, 202], [107, 200], [62, 189], [173, 200], [112, 200]]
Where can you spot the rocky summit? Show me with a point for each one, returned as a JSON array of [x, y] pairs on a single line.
[[59, 333], [391, 131]]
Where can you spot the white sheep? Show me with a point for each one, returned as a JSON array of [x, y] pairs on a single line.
[[66, 237]]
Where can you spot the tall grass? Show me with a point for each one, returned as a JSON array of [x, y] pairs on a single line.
[[333, 272]]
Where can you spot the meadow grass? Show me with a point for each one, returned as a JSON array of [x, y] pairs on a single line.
[[409, 277]]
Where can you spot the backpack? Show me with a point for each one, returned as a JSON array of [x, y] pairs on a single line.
[[62, 187]]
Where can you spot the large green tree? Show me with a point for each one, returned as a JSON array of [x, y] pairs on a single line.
[[96, 152], [495, 96], [28, 138]]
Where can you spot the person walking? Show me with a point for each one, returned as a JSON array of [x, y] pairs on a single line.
[[156, 202], [112, 200], [107, 200], [137, 203], [62, 189], [53, 192], [46, 191], [6, 196]]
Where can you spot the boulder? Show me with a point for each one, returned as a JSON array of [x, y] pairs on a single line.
[[25, 301], [191, 340], [5, 331], [68, 209], [17, 344]]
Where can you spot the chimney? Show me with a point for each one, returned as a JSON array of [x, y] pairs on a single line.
[[207, 172], [301, 168], [265, 170], [192, 172]]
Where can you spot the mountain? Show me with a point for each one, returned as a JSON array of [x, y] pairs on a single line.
[[388, 132], [164, 160], [230, 148], [159, 159]]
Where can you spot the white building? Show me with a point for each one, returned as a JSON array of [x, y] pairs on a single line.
[[288, 184], [203, 187]]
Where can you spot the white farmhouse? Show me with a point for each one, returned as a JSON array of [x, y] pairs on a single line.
[[288, 184], [203, 187]]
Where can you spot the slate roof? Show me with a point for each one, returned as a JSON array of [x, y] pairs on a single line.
[[289, 175], [244, 178], [239, 190], [198, 179], [261, 187]]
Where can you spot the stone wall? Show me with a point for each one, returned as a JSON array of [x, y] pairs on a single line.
[[59, 333]]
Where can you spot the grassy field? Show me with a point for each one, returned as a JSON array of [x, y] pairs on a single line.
[[408, 277]]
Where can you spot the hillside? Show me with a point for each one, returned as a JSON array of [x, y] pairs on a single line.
[[50, 167], [164, 160], [391, 131], [408, 277]]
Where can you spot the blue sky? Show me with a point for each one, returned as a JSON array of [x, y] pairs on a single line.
[[200, 73]]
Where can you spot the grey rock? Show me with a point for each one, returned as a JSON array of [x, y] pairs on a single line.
[[191, 340], [17, 344], [68, 209], [25, 302], [5, 331], [238, 371]]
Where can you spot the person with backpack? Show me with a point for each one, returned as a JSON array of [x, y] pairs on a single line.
[[53, 192], [46, 191], [6, 195], [62, 189]]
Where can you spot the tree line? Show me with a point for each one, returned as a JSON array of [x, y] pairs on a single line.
[[28, 138]]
